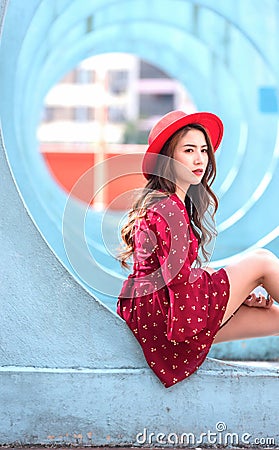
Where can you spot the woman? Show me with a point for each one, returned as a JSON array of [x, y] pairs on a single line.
[[175, 308]]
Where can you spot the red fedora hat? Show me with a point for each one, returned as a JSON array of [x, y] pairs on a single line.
[[172, 122]]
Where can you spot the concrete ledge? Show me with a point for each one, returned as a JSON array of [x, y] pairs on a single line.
[[81, 406], [49, 320], [257, 349]]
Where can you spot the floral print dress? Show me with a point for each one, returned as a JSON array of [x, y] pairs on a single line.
[[173, 309]]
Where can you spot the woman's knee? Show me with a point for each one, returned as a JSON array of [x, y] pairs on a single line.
[[263, 260], [263, 256], [263, 253], [253, 266]]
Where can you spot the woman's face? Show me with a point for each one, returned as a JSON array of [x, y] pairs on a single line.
[[191, 154]]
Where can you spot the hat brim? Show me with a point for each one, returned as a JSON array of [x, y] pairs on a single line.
[[209, 121]]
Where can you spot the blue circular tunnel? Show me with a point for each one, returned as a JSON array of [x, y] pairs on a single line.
[[224, 53]]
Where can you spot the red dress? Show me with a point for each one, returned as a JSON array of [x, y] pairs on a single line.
[[173, 309]]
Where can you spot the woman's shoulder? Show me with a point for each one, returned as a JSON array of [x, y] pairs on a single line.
[[169, 202], [168, 207]]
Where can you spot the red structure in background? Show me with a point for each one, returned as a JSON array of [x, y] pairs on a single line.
[[67, 163]]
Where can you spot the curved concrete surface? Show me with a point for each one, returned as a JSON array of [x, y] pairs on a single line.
[[221, 41], [70, 370]]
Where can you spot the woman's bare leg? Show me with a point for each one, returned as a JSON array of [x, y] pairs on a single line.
[[255, 268], [249, 322]]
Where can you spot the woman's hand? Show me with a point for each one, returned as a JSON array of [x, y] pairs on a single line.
[[259, 301]]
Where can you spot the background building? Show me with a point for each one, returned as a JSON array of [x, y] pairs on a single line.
[[102, 108], [114, 97]]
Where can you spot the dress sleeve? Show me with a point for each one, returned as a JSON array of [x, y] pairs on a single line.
[[188, 287]]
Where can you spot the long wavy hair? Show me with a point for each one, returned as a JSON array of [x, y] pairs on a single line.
[[200, 201]]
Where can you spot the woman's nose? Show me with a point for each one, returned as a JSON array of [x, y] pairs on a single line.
[[198, 158]]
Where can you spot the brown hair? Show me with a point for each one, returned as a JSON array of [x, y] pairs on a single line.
[[199, 199]]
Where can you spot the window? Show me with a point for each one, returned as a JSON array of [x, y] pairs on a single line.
[[155, 104], [56, 113], [116, 114], [69, 77], [118, 81], [149, 71], [81, 113]]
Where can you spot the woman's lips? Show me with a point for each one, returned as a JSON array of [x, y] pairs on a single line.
[[198, 172]]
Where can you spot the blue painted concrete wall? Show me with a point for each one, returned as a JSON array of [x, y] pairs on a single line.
[[215, 47], [70, 370]]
